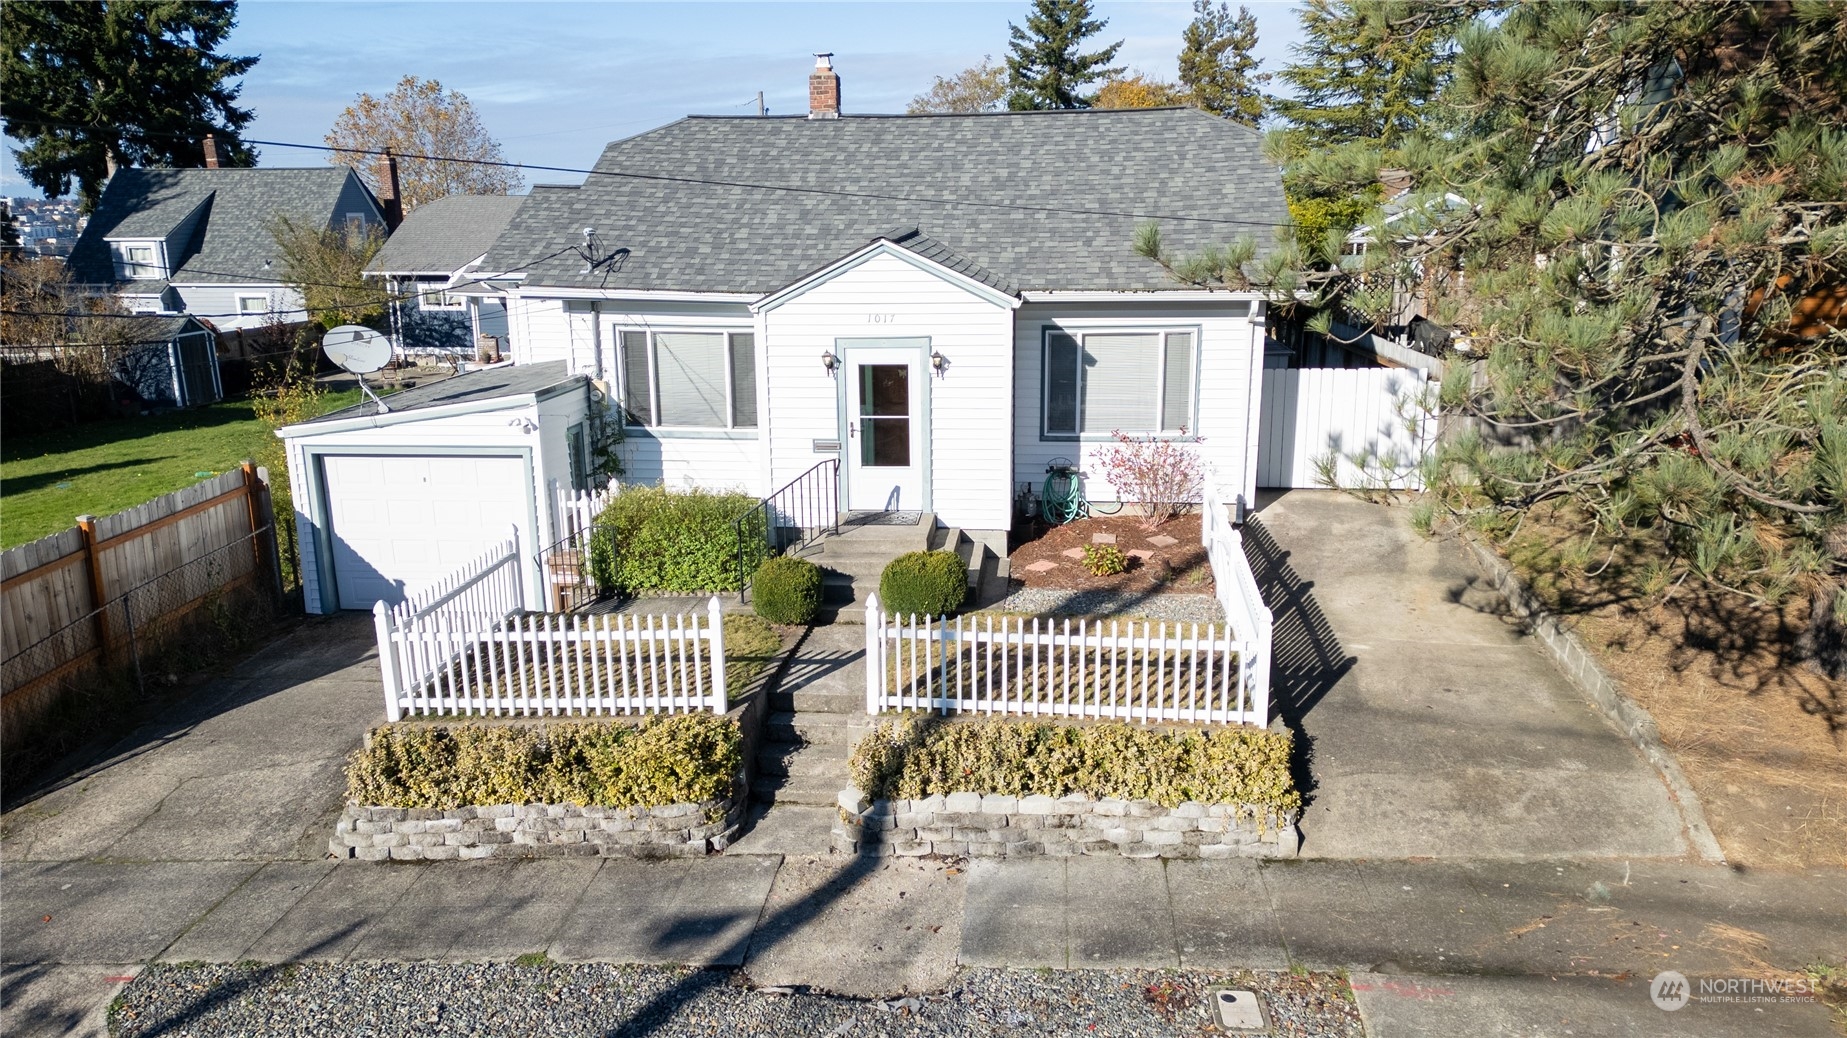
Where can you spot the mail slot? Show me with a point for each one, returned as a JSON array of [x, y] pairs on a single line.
[[826, 446]]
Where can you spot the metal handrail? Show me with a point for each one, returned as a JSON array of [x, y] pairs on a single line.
[[813, 494]]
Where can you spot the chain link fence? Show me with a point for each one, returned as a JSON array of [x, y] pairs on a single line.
[[76, 683]]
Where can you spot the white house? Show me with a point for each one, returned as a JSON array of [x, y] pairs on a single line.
[[942, 304]]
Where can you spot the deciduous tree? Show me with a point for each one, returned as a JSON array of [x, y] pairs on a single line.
[[419, 117], [978, 88], [1136, 90], [1217, 68], [1047, 67], [101, 84], [327, 266]]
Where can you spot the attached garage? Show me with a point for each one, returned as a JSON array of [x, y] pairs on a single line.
[[387, 502]]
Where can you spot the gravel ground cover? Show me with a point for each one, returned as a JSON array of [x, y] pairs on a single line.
[[1058, 602], [559, 1001]]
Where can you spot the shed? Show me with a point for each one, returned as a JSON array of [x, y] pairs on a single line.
[[389, 501]]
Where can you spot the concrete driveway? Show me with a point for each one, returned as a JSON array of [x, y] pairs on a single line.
[[1433, 726]]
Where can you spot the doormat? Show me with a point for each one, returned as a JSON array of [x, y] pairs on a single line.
[[883, 519]]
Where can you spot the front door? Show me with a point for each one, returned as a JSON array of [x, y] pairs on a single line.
[[885, 449]]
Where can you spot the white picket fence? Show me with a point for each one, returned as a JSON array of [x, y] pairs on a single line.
[[564, 565], [1366, 427], [466, 646], [1082, 666]]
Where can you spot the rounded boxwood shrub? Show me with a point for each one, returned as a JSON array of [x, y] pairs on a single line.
[[786, 590], [924, 583]]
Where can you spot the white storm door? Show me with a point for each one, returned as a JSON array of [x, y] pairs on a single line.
[[885, 427], [399, 523]]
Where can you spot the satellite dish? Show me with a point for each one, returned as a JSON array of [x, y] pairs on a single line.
[[356, 348]]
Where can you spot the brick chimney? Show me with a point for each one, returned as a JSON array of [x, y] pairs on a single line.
[[390, 199], [823, 89], [210, 144]]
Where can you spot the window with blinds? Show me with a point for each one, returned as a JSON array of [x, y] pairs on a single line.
[[1139, 382], [689, 380]]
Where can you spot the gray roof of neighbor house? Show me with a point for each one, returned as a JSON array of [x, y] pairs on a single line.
[[512, 380], [162, 328], [231, 242], [443, 236], [1039, 200]]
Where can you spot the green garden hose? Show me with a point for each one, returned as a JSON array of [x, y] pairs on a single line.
[[1063, 498]]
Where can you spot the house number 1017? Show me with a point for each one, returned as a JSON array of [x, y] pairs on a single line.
[[881, 318]]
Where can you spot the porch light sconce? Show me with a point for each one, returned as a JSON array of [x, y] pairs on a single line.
[[829, 361], [938, 363]]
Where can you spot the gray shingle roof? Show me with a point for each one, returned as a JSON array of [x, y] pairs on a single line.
[[232, 240], [1065, 192], [487, 384], [441, 237]]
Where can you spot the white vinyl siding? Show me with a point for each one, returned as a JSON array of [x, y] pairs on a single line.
[[1135, 382], [688, 379]]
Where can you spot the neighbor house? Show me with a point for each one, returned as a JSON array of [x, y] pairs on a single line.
[[939, 306], [429, 265], [199, 241]]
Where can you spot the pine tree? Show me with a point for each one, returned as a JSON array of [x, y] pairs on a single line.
[[1651, 248], [97, 85], [1046, 68], [1367, 68], [1216, 65]]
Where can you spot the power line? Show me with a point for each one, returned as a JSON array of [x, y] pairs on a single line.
[[788, 188]]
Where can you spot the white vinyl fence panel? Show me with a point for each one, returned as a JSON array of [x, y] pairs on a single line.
[[467, 646], [1375, 425]]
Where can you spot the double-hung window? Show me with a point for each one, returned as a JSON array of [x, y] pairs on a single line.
[[1139, 382], [689, 380]]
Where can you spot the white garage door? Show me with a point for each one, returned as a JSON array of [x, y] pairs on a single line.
[[400, 523]]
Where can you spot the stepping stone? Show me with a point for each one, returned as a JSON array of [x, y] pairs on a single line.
[[1103, 538], [1141, 553], [1073, 553], [1161, 540], [1041, 566]]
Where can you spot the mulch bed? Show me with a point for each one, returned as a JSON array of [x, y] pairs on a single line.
[[1167, 559]]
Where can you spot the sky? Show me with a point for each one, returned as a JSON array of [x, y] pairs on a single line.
[[555, 82]]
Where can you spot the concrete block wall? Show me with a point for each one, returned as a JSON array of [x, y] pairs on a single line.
[[992, 826], [536, 831]]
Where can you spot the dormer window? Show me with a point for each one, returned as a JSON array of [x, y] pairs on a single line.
[[137, 262]]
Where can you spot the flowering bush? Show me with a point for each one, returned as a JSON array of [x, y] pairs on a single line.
[[1163, 476]]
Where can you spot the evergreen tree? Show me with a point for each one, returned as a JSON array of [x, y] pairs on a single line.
[[1047, 68], [1216, 66], [1654, 243], [1367, 68], [97, 85]]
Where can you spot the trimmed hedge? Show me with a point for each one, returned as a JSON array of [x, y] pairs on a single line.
[[925, 583], [786, 590], [654, 539], [918, 755], [686, 758]]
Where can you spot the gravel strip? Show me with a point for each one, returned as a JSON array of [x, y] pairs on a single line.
[[1055, 602], [389, 999]]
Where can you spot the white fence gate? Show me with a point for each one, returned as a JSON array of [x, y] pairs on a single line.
[[467, 646], [1084, 667], [1364, 427]]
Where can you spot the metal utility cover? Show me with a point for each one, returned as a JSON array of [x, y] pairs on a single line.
[[1238, 1012]]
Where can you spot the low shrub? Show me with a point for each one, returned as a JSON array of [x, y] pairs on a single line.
[[650, 538], [924, 583], [686, 758], [918, 755], [1103, 560], [786, 590]]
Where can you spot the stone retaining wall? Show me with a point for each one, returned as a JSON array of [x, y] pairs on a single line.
[[992, 826], [536, 831]]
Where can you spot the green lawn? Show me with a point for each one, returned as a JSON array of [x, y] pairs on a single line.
[[47, 480]]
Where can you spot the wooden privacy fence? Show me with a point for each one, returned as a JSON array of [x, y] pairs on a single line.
[[466, 646], [88, 597], [1135, 670], [1358, 427]]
